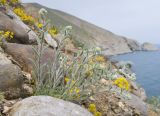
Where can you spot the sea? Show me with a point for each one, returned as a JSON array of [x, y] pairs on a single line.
[[146, 65]]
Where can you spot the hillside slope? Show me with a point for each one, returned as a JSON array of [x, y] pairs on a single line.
[[86, 33]]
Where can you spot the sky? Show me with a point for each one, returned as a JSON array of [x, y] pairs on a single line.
[[135, 19]]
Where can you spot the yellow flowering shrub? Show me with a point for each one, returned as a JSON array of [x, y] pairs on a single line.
[[39, 25], [122, 83], [67, 79], [24, 17], [97, 58], [53, 31], [9, 2], [97, 114], [100, 58], [3, 2], [93, 110], [73, 90], [6, 34], [14, 1]]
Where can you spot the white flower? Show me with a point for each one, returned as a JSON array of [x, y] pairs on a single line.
[[98, 49], [43, 11], [68, 28]]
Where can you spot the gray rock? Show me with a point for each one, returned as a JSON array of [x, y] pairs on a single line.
[[138, 91], [11, 81], [138, 104], [149, 47], [50, 41], [8, 24], [32, 35], [3, 59], [46, 106], [24, 55]]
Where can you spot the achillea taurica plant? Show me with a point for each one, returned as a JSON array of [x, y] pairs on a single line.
[[65, 80]]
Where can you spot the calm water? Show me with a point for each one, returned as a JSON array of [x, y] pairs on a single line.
[[146, 65]]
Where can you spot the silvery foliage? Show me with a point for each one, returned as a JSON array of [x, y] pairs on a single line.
[[50, 77], [125, 69]]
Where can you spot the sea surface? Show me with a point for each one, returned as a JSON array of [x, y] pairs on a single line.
[[146, 65]]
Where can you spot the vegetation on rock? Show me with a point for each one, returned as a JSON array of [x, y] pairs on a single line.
[[77, 75]]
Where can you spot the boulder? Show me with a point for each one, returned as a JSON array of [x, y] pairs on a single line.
[[31, 34], [4, 60], [8, 24], [11, 81], [46, 106], [149, 47], [138, 104], [50, 41], [24, 55], [138, 91]]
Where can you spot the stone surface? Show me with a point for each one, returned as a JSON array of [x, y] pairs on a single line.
[[149, 47], [11, 81], [3, 59], [50, 41], [31, 34], [24, 55], [138, 91], [138, 104], [111, 105], [8, 24], [47, 106]]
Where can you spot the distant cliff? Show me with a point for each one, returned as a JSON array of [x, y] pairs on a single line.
[[149, 47], [86, 33]]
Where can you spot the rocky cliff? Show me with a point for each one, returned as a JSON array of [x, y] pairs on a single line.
[[149, 47], [86, 33]]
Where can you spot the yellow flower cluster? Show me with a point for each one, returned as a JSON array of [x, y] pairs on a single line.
[[3, 2], [6, 2], [89, 73], [75, 89], [67, 79], [15, 1], [100, 58], [53, 31], [7, 34], [122, 83], [72, 90], [24, 17], [92, 109], [39, 25]]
